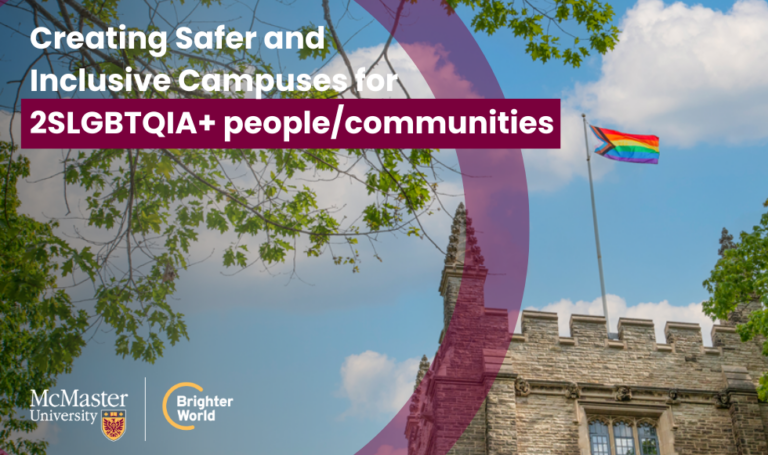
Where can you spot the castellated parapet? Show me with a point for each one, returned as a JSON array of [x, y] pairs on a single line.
[[546, 393], [636, 358]]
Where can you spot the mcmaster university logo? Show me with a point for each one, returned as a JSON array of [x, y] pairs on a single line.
[[81, 408], [113, 424]]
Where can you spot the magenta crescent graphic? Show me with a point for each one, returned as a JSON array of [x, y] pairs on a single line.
[[496, 195]]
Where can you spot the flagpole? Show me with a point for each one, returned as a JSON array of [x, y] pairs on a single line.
[[597, 235]]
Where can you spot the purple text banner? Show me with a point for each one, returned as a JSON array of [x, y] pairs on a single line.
[[268, 123]]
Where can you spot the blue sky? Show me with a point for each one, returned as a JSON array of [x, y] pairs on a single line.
[[279, 349]]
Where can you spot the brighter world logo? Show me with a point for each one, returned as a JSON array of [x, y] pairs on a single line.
[[193, 408]]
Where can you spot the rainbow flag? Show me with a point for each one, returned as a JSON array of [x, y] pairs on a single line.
[[634, 148]]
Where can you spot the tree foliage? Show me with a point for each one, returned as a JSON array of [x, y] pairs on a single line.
[[543, 24], [741, 276], [40, 331]]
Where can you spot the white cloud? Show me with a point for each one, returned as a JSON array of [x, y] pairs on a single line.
[[376, 384], [660, 313], [688, 74]]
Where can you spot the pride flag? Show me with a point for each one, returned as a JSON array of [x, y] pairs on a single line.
[[634, 148]]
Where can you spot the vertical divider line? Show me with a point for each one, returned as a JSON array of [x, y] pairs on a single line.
[[145, 409]]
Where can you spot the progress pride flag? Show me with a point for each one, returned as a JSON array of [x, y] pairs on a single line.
[[249, 123]]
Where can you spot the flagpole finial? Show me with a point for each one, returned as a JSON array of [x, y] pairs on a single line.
[[584, 115]]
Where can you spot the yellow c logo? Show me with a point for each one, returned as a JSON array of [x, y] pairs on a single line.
[[165, 404]]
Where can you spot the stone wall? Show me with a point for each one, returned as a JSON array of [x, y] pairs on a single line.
[[548, 384], [546, 425], [703, 429]]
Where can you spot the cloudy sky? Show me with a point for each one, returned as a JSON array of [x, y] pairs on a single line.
[[336, 356]]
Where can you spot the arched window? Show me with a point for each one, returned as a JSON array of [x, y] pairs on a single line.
[[599, 439], [623, 438], [649, 441]]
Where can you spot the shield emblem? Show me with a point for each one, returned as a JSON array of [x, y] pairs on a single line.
[[113, 424]]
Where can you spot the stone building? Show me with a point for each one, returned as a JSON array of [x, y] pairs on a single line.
[[584, 394]]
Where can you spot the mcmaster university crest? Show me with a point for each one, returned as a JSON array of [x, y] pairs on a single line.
[[113, 424]]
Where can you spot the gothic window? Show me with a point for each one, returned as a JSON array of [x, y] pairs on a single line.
[[649, 441], [599, 439], [623, 438], [609, 435]]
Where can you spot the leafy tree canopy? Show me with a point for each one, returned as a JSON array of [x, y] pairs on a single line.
[[739, 277], [543, 24], [40, 332]]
